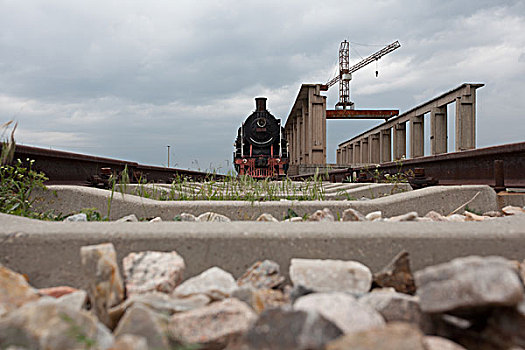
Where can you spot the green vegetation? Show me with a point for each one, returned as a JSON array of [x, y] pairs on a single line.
[[242, 188], [17, 182]]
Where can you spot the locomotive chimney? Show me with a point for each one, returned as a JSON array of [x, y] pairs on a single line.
[[260, 104]]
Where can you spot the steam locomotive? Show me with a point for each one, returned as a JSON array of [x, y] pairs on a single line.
[[261, 151]]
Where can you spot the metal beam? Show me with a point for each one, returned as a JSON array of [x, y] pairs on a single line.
[[361, 114]]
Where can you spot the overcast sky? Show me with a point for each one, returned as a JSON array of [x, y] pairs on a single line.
[[124, 79]]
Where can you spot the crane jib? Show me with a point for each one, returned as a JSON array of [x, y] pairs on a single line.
[[373, 57]]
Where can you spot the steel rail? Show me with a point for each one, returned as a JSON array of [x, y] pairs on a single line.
[[498, 166], [80, 169]]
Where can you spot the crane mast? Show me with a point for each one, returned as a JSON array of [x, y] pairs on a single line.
[[345, 71]]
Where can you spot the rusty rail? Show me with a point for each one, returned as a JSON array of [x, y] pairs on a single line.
[[498, 166], [80, 169]]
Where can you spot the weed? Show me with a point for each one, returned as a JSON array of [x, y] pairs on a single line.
[[16, 186], [473, 211], [77, 333], [93, 215]]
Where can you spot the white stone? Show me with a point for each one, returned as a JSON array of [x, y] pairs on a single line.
[[156, 219], [375, 215], [511, 210], [266, 217], [214, 282], [353, 215], [342, 309], [214, 217], [411, 216], [331, 275], [152, 271], [128, 218], [76, 218]]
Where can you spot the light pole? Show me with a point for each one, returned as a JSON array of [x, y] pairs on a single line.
[[168, 155]]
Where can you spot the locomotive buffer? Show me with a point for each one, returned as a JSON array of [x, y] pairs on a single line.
[[344, 109]]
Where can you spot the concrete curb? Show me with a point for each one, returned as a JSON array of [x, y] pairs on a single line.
[[443, 199], [48, 252]]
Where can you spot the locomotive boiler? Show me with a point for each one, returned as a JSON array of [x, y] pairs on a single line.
[[261, 150]]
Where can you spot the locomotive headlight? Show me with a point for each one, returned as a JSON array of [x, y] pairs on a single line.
[[261, 122], [244, 161], [278, 160]]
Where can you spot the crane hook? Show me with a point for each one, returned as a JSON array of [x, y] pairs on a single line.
[[377, 71]]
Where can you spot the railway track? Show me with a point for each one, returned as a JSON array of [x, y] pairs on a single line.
[[499, 166], [67, 168]]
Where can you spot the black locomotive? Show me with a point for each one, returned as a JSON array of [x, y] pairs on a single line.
[[261, 150]]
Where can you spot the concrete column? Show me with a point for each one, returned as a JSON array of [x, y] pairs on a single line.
[[386, 145], [338, 156], [307, 131], [365, 159], [417, 136], [438, 130], [343, 154], [400, 141], [466, 121], [297, 141], [357, 152], [349, 154], [375, 149]]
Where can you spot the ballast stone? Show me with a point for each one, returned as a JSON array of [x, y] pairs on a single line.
[[341, 309], [45, 324], [262, 275], [331, 275], [439, 343], [393, 336], [128, 218], [130, 342], [467, 283], [99, 264], [161, 303], [353, 215], [322, 215], [266, 217], [397, 274], [214, 282], [76, 218], [287, 329], [213, 217], [152, 271], [214, 325], [14, 291], [394, 306], [141, 321]]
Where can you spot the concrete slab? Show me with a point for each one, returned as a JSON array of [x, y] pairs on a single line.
[[48, 252], [443, 199]]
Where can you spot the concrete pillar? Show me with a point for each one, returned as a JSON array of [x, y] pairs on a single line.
[[343, 154], [386, 145], [438, 130], [400, 141], [357, 152], [417, 136], [349, 154], [365, 159], [297, 141], [375, 149], [466, 120], [305, 133], [338, 156]]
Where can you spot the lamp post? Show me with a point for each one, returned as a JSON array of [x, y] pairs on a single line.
[[168, 155]]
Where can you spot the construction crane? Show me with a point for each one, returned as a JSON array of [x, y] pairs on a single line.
[[345, 72]]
